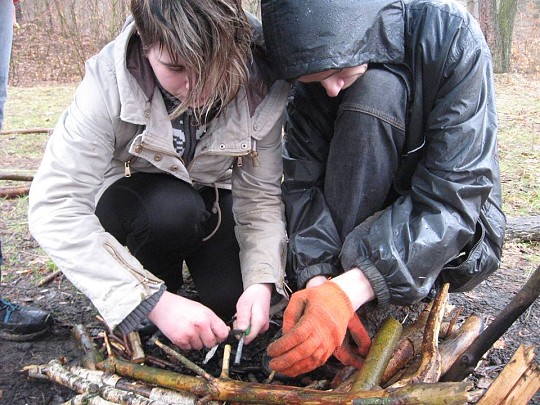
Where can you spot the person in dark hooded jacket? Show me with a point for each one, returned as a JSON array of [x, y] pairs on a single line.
[[391, 175]]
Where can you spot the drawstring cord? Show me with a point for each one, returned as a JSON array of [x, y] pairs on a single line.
[[215, 210]]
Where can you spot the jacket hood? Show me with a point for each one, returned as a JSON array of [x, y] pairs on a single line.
[[306, 36]]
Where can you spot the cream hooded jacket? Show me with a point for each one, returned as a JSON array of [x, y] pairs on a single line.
[[115, 127]]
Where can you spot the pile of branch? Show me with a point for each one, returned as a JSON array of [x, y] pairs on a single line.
[[425, 362]]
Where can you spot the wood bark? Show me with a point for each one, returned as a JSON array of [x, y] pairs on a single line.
[[382, 347], [523, 228], [521, 301], [508, 382]]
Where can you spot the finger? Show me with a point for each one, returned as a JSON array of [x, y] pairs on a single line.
[[195, 343], [290, 340], [219, 330], [259, 324], [208, 337], [294, 311], [346, 355], [359, 335], [243, 319], [293, 369]]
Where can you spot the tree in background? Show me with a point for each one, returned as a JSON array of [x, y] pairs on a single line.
[[496, 18]]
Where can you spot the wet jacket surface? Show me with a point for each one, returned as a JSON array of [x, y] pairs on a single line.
[[445, 222], [118, 124]]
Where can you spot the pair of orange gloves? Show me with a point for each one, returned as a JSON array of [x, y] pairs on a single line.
[[315, 325]]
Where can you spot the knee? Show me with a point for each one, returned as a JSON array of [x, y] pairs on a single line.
[[381, 93]]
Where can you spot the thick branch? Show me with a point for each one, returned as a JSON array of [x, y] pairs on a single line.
[[238, 391], [470, 358]]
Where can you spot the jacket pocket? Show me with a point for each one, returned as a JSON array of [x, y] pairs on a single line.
[[481, 256]]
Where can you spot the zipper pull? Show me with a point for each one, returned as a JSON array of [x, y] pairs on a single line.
[[239, 161], [254, 154], [127, 170]]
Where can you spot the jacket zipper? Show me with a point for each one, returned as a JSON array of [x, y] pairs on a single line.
[[142, 280]]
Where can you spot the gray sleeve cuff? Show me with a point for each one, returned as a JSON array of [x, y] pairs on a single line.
[[140, 313], [375, 278]]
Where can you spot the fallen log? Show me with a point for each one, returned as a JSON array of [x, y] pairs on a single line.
[[17, 174], [523, 228], [513, 310]]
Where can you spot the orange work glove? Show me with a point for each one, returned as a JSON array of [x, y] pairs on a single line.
[[314, 325], [353, 353]]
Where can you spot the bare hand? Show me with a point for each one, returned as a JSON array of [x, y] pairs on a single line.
[[253, 310], [188, 324]]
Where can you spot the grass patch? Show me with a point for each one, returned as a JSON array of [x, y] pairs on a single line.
[[36, 107]]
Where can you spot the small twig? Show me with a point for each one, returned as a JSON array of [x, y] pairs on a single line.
[[27, 131], [108, 346], [137, 351], [183, 359], [226, 362], [270, 377], [453, 322], [47, 279]]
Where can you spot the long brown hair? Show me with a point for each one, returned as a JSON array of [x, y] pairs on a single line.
[[211, 37]]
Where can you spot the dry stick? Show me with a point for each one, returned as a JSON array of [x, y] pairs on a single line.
[[470, 358], [430, 366], [226, 362], [409, 345], [137, 352], [27, 131], [47, 279], [379, 355], [509, 378], [57, 373], [17, 174], [123, 397], [453, 321], [91, 356], [14, 191], [458, 341], [182, 359], [232, 390]]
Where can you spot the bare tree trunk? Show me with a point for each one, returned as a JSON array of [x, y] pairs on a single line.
[[496, 18]]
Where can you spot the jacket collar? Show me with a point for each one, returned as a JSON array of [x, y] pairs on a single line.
[[135, 79]]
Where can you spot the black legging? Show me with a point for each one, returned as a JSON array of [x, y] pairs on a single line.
[[163, 220]]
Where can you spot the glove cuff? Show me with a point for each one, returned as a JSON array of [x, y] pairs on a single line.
[[341, 304]]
